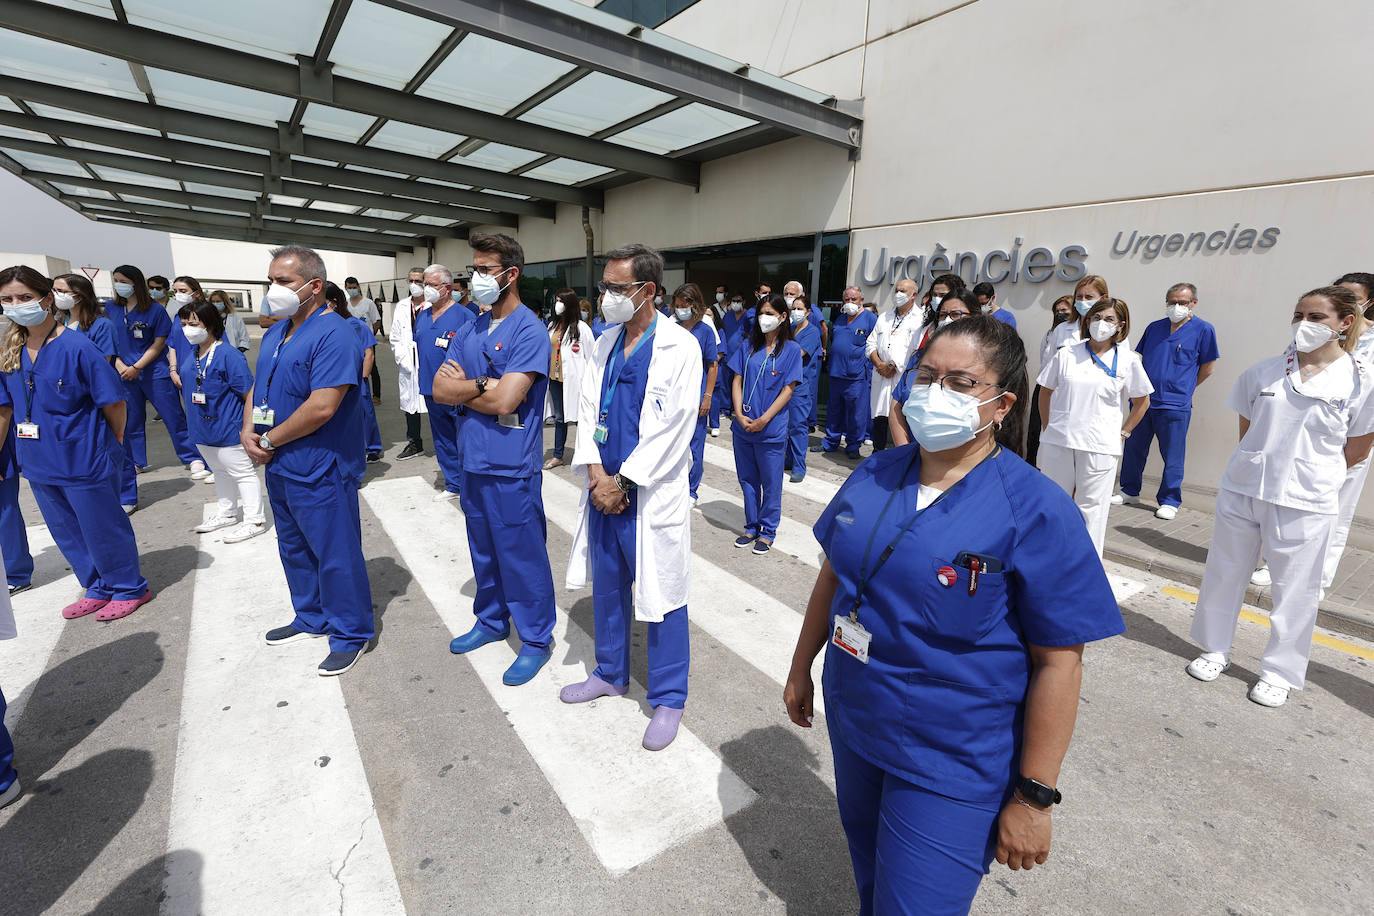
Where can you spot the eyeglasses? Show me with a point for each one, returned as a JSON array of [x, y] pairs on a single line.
[[620, 289], [961, 384], [490, 270], [943, 315]]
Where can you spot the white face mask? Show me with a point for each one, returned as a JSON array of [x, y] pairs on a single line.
[[64, 301], [1309, 336], [432, 294], [769, 323], [416, 289], [1102, 330], [850, 308], [720, 297], [935, 301], [195, 334], [282, 301], [789, 300], [946, 320], [683, 314], [183, 298], [737, 306], [558, 308], [798, 316], [618, 308], [900, 299], [485, 289], [1178, 312], [658, 300], [941, 419]]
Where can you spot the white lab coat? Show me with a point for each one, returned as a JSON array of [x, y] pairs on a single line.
[[407, 357], [658, 464], [235, 332], [895, 343], [574, 357]]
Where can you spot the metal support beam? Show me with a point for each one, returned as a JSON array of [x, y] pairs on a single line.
[[280, 139], [262, 237], [263, 172], [590, 39], [222, 64]]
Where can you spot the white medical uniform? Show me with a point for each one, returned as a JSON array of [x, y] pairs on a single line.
[[235, 331], [1280, 494], [1081, 446], [365, 309], [1067, 334], [407, 357], [1353, 486], [894, 339], [658, 465], [573, 357]]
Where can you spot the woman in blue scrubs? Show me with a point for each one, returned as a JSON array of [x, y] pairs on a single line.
[[67, 408], [141, 331], [367, 340], [806, 331], [74, 296], [689, 308], [958, 589], [767, 368]]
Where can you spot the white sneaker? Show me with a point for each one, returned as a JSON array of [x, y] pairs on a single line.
[[129, 508], [208, 478], [199, 471], [244, 532], [1125, 499], [214, 523], [715, 433], [445, 496], [1261, 577], [1205, 668], [1168, 513], [1321, 595], [1267, 694]]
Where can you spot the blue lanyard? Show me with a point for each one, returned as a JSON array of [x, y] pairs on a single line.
[[281, 345], [1116, 354], [202, 370], [763, 369], [610, 366]]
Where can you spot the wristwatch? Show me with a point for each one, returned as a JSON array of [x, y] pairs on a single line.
[[481, 383], [1037, 793], [265, 443], [625, 484]]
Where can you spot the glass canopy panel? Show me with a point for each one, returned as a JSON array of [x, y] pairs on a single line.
[[335, 123], [94, 7], [110, 147], [216, 143], [499, 156], [215, 98], [7, 105], [86, 120], [386, 214], [567, 171], [286, 201], [16, 133], [487, 74], [237, 193], [78, 191], [330, 206], [37, 162], [152, 181], [384, 46], [687, 126], [414, 139], [63, 65], [268, 28], [133, 199], [312, 222], [432, 220], [594, 103]]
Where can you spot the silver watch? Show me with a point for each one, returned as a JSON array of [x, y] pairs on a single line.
[[265, 443]]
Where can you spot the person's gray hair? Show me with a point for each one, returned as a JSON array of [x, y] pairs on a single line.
[[855, 288], [414, 270], [444, 273], [308, 261], [799, 286], [646, 264], [1179, 287]]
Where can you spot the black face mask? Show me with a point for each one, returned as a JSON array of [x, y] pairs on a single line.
[[1061, 317]]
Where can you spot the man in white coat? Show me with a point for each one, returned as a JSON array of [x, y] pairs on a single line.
[[889, 347], [407, 357], [636, 414]]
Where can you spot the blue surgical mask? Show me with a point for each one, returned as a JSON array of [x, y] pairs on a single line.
[[124, 290], [158, 294], [1084, 305], [941, 419], [28, 314]]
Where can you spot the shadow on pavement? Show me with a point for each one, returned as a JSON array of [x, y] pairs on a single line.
[[1175, 547], [153, 491], [388, 580], [166, 567], [142, 891]]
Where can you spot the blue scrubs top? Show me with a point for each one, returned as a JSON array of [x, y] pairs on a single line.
[[710, 353], [1172, 360], [1004, 316], [434, 342], [366, 339], [847, 341], [519, 344], [942, 700], [903, 389], [135, 332], [598, 326], [764, 377], [71, 381], [224, 378], [322, 353], [101, 333], [734, 328], [809, 340]]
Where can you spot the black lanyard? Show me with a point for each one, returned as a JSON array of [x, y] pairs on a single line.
[[28, 381], [865, 578]]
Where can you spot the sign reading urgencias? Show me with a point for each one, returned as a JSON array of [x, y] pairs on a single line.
[[1035, 265]]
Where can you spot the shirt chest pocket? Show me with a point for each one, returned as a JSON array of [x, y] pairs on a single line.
[[956, 611], [296, 378], [61, 397]]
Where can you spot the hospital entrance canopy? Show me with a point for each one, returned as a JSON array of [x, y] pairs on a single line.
[[370, 126]]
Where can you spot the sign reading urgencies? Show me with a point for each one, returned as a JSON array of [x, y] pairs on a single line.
[[1036, 265]]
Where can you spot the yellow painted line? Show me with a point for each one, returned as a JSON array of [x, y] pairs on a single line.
[[1321, 639]]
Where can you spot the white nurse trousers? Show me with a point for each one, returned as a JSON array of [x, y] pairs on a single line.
[[1295, 542], [236, 480], [1350, 495], [1086, 476]]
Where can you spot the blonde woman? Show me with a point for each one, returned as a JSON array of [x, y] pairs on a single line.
[[235, 331]]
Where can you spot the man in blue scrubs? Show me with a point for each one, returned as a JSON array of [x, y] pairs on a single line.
[[436, 328], [1179, 352], [847, 405], [304, 422], [497, 373], [987, 300]]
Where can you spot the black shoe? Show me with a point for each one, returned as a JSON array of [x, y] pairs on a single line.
[[336, 663], [374, 456], [16, 589], [410, 451], [283, 635]]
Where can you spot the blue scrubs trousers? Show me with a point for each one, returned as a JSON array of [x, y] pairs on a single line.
[[507, 534], [759, 466], [319, 538], [14, 536], [443, 426], [166, 397], [7, 772], [800, 410], [94, 535], [721, 403], [698, 455], [914, 851], [371, 430], [612, 542], [846, 413], [1171, 426]]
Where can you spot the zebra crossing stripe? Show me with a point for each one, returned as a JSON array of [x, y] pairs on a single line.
[[590, 754], [812, 486], [270, 802], [38, 618]]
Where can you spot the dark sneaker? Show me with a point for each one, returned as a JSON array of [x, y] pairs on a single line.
[[283, 635], [744, 540], [410, 451], [16, 589], [336, 663], [761, 547], [374, 456]]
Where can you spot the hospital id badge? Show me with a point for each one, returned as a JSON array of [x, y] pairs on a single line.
[[851, 638], [138, 333], [264, 416], [600, 434], [510, 421], [198, 397], [26, 430], [441, 342]]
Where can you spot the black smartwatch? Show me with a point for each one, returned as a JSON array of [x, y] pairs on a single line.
[[1037, 793], [481, 383]]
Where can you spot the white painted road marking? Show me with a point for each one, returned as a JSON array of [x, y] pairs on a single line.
[[812, 486], [270, 803], [38, 618], [590, 754]]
